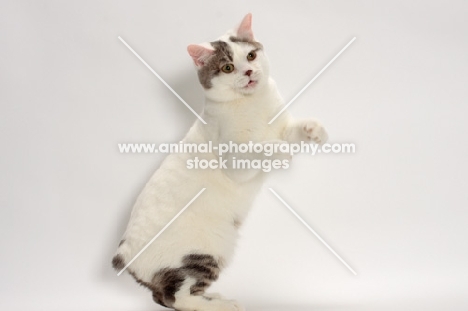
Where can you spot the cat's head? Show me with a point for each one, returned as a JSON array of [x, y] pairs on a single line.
[[233, 66]]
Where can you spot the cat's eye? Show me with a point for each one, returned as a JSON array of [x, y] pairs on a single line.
[[251, 56], [228, 68]]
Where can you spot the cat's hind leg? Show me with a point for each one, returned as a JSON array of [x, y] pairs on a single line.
[[187, 300], [183, 288]]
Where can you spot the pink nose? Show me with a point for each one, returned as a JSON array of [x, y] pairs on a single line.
[[248, 73]]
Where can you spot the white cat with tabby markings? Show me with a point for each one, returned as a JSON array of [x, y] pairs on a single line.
[[241, 99]]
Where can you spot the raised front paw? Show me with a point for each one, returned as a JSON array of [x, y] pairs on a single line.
[[314, 131]]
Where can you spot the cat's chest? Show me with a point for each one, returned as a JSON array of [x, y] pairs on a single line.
[[246, 120], [247, 127]]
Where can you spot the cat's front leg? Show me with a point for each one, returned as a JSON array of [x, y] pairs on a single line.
[[308, 130]]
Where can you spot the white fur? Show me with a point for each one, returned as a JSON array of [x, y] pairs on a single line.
[[233, 113]]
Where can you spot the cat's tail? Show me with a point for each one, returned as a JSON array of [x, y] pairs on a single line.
[[119, 260]]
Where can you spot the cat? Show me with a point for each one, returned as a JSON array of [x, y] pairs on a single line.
[[240, 99]]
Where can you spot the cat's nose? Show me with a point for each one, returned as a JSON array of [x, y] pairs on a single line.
[[248, 73]]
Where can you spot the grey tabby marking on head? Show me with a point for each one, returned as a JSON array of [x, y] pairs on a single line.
[[256, 44], [221, 55], [166, 282], [122, 242]]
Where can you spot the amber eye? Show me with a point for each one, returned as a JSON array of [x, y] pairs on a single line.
[[228, 68], [251, 56]]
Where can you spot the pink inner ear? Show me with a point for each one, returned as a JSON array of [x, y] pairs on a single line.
[[245, 29], [199, 54]]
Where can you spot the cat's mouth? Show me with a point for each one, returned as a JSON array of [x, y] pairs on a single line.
[[251, 84]]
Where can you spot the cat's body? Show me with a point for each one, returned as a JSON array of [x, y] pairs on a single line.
[[181, 263]]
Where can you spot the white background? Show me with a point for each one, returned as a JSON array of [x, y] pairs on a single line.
[[396, 210]]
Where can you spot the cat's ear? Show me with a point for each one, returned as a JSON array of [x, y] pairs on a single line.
[[245, 28], [199, 54]]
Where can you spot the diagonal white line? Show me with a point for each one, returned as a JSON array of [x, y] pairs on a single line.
[[313, 79], [162, 230], [313, 231], [164, 82]]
